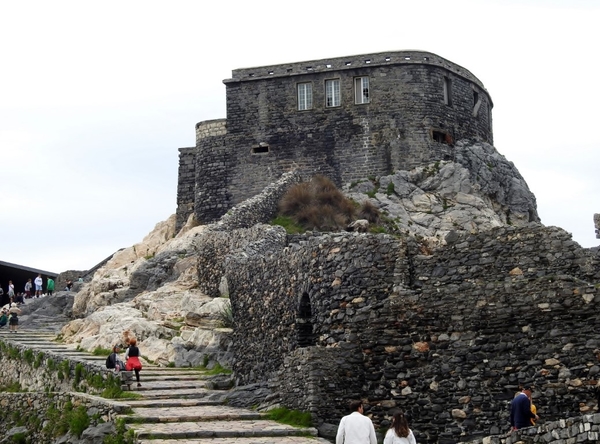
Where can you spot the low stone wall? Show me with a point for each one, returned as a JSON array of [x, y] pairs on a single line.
[[42, 370], [261, 208], [44, 416], [580, 429]]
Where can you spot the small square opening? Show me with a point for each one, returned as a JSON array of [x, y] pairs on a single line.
[[261, 148]]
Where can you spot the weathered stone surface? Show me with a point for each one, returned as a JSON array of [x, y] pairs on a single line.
[[477, 191]]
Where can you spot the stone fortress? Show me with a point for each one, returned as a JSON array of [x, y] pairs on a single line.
[[348, 118], [446, 333]]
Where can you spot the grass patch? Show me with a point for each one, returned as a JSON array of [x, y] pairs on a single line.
[[294, 418], [99, 351], [291, 226], [218, 369], [13, 387]]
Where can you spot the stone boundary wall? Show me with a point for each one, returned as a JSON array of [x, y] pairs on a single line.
[[580, 429], [261, 208], [446, 335], [42, 370], [31, 411]]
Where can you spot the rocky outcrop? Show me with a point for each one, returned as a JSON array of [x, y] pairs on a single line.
[[150, 291], [477, 191]]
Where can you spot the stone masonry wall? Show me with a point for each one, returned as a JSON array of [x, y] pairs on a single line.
[[216, 243], [186, 186], [446, 335], [43, 370], [32, 413], [579, 429]]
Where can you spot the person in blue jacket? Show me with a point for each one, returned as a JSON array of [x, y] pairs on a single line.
[[520, 409]]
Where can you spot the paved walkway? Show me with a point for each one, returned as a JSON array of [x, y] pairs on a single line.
[[176, 407]]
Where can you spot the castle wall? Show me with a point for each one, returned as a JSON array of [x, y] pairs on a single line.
[[419, 104], [446, 335], [186, 186]]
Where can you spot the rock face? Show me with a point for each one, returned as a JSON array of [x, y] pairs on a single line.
[[148, 291], [477, 191]]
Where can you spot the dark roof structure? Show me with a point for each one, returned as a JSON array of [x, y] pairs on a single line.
[[19, 274]]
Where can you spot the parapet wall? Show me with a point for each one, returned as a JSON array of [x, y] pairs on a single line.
[[446, 335], [42, 370], [51, 382], [40, 412]]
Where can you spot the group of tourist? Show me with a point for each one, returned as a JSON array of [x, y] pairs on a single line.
[[356, 428], [30, 290]]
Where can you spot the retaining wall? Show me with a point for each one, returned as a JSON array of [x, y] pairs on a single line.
[[446, 335]]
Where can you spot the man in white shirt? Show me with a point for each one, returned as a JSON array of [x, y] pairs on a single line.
[[38, 285], [356, 428]]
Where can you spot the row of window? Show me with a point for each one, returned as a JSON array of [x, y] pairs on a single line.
[[333, 95]]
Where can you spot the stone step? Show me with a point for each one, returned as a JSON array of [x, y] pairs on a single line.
[[190, 414], [218, 429], [149, 385], [170, 402], [198, 393], [256, 440]]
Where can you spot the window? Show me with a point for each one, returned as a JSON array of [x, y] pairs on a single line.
[[304, 96], [447, 91], [441, 137], [261, 148], [332, 93], [361, 90]]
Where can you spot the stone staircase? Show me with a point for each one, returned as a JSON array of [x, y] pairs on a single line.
[[177, 406]]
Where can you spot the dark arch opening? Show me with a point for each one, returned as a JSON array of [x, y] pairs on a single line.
[[304, 324]]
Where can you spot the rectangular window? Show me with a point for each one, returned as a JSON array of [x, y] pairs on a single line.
[[332, 93], [447, 91], [361, 90], [304, 96]]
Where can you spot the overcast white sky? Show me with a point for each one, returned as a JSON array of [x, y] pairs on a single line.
[[96, 97]]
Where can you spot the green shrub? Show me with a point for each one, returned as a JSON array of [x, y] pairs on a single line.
[[13, 387], [122, 435], [225, 317], [390, 189], [28, 356], [13, 352], [78, 421], [38, 360], [80, 374], [65, 368], [19, 438]]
